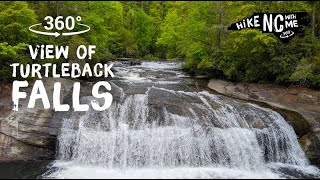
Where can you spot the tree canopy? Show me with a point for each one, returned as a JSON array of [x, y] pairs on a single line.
[[195, 32]]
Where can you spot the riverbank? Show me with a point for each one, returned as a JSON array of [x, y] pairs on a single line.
[[299, 106]]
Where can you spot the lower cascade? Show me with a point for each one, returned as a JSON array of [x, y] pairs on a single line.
[[156, 129]]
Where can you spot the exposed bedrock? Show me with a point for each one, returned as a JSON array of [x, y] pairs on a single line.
[[299, 106]]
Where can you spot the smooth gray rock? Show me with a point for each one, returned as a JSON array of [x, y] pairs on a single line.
[[30, 134]]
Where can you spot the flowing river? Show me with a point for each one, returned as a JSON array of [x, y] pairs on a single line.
[[163, 124]]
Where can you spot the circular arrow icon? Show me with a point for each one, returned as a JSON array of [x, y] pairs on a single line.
[[56, 34], [78, 32], [287, 34]]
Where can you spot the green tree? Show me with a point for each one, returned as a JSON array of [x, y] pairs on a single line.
[[143, 31], [15, 18]]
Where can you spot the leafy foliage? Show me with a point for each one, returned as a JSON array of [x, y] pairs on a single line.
[[192, 31], [14, 35], [197, 31]]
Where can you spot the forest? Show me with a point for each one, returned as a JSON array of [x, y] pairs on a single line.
[[194, 32]]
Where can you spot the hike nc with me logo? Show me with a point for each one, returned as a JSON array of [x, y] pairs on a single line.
[[283, 25]]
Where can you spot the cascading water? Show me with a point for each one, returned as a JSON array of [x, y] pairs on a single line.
[[161, 127]]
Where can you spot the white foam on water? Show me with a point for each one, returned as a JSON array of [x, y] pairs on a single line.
[[166, 82], [69, 170], [159, 65], [212, 137]]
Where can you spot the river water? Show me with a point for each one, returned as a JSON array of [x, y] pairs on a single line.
[[164, 124]]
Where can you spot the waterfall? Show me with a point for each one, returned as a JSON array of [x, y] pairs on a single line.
[[160, 130]]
